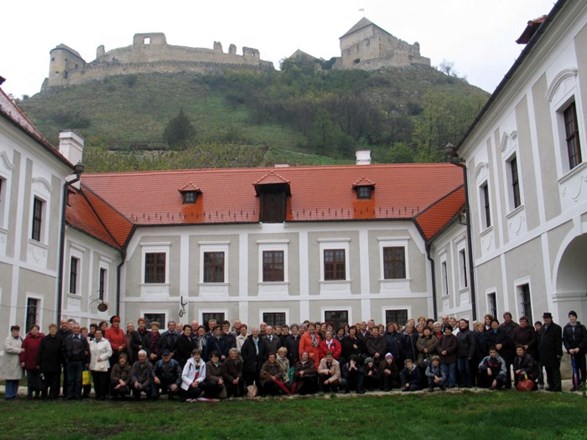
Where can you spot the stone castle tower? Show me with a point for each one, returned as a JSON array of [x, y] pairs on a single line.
[[366, 46], [149, 53]]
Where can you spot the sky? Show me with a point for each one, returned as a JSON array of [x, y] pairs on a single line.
[[477, 36]]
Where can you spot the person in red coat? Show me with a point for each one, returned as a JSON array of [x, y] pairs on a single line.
[[310, 343], [115, 335], [330, 344], [28, 361]]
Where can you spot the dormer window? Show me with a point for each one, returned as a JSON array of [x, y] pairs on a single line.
[[364, 189], [189, 193], [273, 191], [364, 192]]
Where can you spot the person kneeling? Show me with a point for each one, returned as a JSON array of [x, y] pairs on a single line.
[[167, 373], [120, 378], [214, 383], [434, 374], [141, 377], [492, 370], [329, 373], [410, 376]]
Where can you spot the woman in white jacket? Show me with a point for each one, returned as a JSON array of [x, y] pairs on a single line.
[[100, 352], [10, 369], [192, 376]]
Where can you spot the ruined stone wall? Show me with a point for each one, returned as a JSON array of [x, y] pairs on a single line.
[[149, 53]]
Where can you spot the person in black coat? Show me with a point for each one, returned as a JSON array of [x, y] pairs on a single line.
[[292, 343], [575, 340], [184, 346], [253, 354], [465, 354], [76, 352], [49, 359], [551, 351], [215, 343]]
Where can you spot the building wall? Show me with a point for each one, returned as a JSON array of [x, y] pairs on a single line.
[[303, 295]]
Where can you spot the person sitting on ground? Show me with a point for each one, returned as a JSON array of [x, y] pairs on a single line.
[[193, 376], [329, 373], [434, 374], [214, 382], [232, 373], [120, 378], [141, 377], [524, 365], [167, 375], [389, 373], [352, 375], [305, 374], [283, 362], [410, 379], [371, 378], [270, 377], [492, 370]]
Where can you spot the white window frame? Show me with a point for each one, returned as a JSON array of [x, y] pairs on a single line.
[[208, 246], [41, 189], [153, 248], [385, 242], [274, 310], [162, 326], [75, 252], [485, 199], [509, 182], [211, 310], [444, 282], [488, 293], [335, 244], [464, 280], [273, 245], [395, 308], [563, 90], [6, 168], [347, 309], [103, 264], [39, 298], [519, 296]]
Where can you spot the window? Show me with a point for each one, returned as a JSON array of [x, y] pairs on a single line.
[[73, 274], [189, 196], [274, 318], [485, 206], [515, 182], [155, 317], [273, 266], [273, 204], [394, 262], [2, 198], [155, 267], [32, 312], [207, 316], [463, 269], [338, 318], [38, 208], [444, 278], [364, 192], [399, 316], [572, 136], [492, 304], [146, 41], [213, 267], [102, 283], [334, 264], [525, 301]]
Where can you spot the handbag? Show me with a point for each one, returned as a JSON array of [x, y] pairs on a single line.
[[525, 384], [86, 377], [251, 391]]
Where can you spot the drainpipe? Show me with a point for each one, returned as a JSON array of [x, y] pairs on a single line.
[[433, 275], [454, 158], [78, 169], [118, 288]]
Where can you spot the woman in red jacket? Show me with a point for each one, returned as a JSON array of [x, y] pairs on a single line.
[[117, 339], [310, 343], [330, 344], [28, 361]]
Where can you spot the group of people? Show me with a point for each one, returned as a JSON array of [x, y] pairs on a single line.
[[191, 362]]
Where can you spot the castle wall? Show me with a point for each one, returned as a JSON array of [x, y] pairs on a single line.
[[149, 53]]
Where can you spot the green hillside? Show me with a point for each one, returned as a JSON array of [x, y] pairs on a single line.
[[299, 115]]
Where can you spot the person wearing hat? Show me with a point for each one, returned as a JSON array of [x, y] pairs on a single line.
[[551, 352], [575, 341], [435, 375], [115, 335], [389, 373], [167, 375], [371, 378]]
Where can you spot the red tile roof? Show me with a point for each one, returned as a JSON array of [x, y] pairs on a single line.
[[424, 193]]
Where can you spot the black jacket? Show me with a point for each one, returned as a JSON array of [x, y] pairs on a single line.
[[576, 338], [50, 354], [466, 344], [76, 349], [551, 345], [252, 361]]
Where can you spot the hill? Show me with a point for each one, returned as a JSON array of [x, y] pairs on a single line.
[[299, 115]]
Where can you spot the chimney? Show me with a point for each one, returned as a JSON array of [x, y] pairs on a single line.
[[363, 157], [71, 145]]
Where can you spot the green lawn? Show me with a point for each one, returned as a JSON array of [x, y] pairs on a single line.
[[485, 415]]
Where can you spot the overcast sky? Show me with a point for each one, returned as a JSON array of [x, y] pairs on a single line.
[[478, 36]]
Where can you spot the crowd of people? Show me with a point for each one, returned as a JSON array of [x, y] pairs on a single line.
[[191, 362]]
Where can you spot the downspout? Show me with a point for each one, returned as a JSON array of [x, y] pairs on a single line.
[[456, 160], [433, 275], [78, 169], [118, 287]]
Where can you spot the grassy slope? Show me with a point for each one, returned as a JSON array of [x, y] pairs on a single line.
[[510, 415]]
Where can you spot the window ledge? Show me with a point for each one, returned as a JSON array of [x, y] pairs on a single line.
[[394, 280], [335, 281], [38, 244], [273, 283], [213, 284], [572, 173], [486, 231], [515, 212], [154, 284]]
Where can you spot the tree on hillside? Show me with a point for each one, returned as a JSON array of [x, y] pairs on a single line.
[[179, 132]]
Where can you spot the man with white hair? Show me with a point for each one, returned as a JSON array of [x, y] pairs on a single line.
[[141, 377]]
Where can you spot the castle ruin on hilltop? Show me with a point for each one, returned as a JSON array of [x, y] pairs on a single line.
[[149, 53]]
